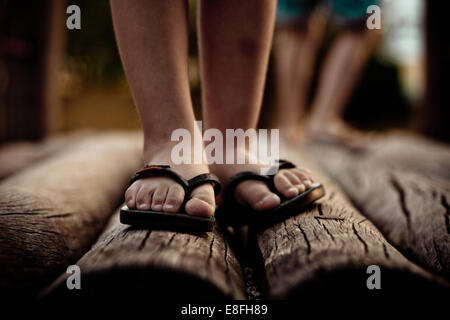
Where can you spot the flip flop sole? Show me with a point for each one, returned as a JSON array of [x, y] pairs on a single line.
[[287, 208], [264, 219], [157, 220]]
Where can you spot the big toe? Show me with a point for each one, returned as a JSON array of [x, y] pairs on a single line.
[[257, 195], [202, 202]]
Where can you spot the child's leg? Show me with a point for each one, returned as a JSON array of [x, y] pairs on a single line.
[[295, 51], [152, 36], [235, 38], [340, 74]]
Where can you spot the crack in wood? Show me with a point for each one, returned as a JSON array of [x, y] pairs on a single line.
[[211, 247], [447, 212], [366, 248], [329, 218], [308, 244], [165, 245], [319, 207], [386, 253], [402, 196], [227, 267], [60, 215], [186, 243], [438, 253], [18, 214], [327, 231], [147, 234], [288, 233]]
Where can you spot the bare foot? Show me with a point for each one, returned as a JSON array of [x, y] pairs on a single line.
[[164, 194], [292, 135], [256, 194], [337, 131]]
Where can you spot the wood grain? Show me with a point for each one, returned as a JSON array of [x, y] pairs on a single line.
[[51, 212], [328, 247], [128, 263], [404, 188]]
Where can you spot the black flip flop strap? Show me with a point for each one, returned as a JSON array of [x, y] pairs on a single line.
[[284, 164], [188, 185], [240, 177], [160, 170], [249, 175], [205, 178]]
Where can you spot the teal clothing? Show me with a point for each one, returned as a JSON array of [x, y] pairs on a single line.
[[342, 10]]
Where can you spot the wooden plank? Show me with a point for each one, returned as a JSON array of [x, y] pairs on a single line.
[[327, 249], [404, 188], [16, 156], [53, 211], [410, 152], [130, 263]]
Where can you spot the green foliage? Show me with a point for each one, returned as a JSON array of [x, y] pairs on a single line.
[[92, 51]]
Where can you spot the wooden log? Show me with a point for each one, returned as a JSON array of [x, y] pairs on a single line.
[[53, 211], [16, 156], [411, 152], [128, 263], [327, 248], [407, 200]]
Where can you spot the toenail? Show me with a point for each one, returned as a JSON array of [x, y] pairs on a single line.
[[267, 198], [307, 183], [157, 207], [293, 191], [169, 206], [143, 206]]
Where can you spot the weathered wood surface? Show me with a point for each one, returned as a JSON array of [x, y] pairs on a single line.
[[328, 248], [403, 186], [16, 156], [51, 212], [409, 152], [129, 263]]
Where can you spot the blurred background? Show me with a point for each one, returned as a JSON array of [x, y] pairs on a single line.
[[55, 80]]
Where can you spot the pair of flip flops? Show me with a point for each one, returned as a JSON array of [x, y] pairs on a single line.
[[230, 213]]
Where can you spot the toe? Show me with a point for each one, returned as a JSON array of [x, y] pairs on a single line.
[[130, 196], [174, 198], [284, 185], [202, 202], [304, 175], [143, 198], [292, 177], [298, 181], [159, 197], [257, 195]]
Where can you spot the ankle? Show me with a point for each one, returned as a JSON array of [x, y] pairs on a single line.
[[154, 154]]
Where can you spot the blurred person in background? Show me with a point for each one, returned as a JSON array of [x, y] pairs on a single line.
[[300, 30]]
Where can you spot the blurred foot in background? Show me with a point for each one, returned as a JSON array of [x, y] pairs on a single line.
[[300, 32]]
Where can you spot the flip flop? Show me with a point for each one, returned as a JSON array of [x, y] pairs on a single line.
[[233, 214], [160, 220]]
